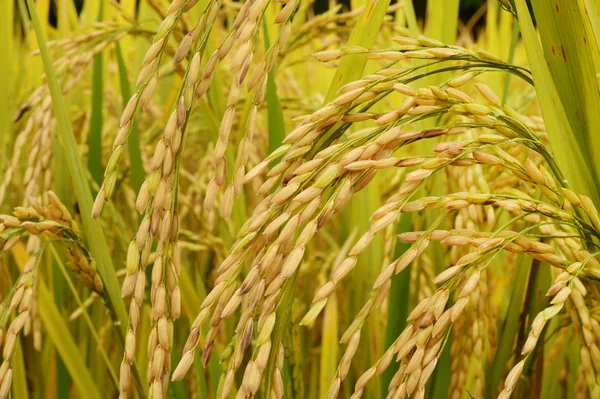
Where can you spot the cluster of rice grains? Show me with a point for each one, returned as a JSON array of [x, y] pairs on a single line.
[[158, 196], [312, 181], [35, 136], [49, 220], [43, 223], [322, 163]]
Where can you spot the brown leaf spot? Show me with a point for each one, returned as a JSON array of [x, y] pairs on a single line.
[[553, 50], [564, 55], [585, 40], [557, 7]]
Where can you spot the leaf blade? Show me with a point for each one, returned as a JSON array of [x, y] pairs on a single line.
[[569, 54], [96, 121], [363, 35], [93, 232], [570, 157], [65, 345]]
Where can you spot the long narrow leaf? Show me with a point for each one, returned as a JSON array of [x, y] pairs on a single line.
[[92, 230], [19, 384], [399, 295], [6, 73], [59, 334], [442, 20], [411, 18], [571, 157], [65, 345], [329, 345], [570, 55], [361, 206], [274, 110], [363, 35], [96, 122], [509, 329], [592, 11], [536, 302]]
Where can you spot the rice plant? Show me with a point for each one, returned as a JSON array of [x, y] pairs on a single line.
[[216, 199]]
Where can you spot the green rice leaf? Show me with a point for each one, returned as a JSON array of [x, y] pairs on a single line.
[[443, 373], [570, 156], [70, 353], [514, 41], [509, 328], [363, 35], [398, 299], [19, 383], [411, 18], [551, 372], [357, 212], [535, 302], [6, 75], [329, 345], [591, 11], [274, 111], [92, 229], [95, 137], [442, 20], [570, 52], [442, 24]]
